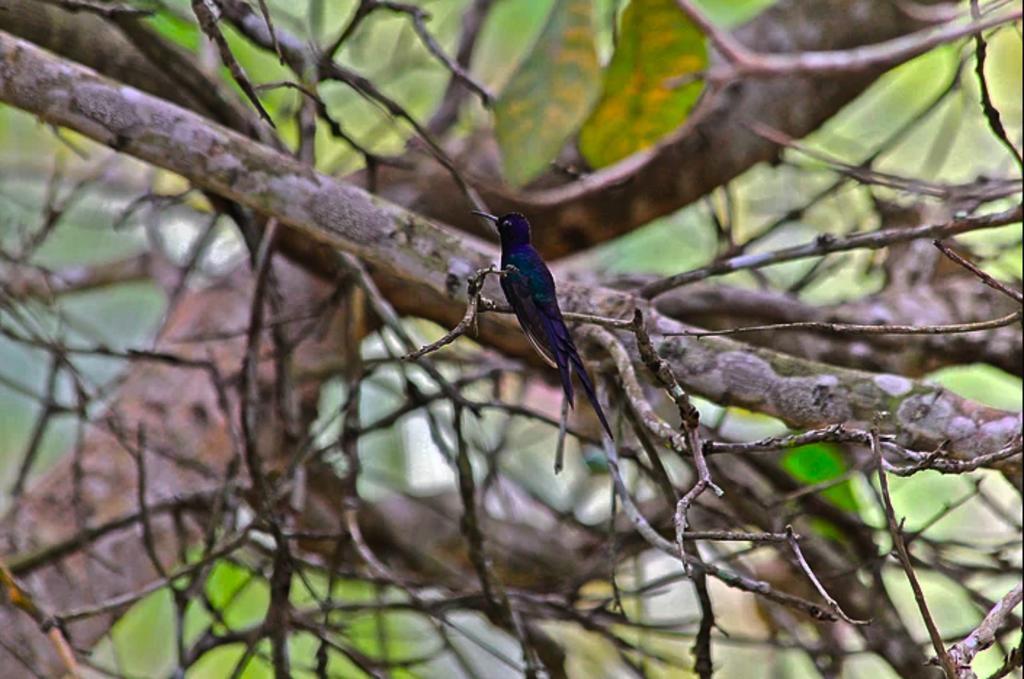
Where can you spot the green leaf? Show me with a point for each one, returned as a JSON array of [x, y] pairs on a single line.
[[640, 103], [817, 463], [549, 94]]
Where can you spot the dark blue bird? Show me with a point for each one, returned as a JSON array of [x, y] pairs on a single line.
[[530, 291]]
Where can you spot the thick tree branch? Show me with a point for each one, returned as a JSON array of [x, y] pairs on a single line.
[[438, 263]]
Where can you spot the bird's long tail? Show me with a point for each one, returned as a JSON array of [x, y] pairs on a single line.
[[565, 353], [588, 387]]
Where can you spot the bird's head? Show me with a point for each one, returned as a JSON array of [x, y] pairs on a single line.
[[512, 227]]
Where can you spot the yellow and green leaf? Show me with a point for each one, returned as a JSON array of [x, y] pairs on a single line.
[[645, 95], [549, 94]]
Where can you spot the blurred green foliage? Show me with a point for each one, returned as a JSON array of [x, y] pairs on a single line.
[[818, 463]]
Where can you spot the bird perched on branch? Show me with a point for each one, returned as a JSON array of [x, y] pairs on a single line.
[[530, 290]]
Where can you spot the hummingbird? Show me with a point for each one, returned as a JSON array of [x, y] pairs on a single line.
[[529, 288]]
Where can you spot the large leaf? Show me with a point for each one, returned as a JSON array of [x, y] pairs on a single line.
[[549, 94], [640, 102]]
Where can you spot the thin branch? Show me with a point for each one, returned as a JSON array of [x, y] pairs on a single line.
[[794, 544], [23, 600], [690, 418], [729, 46], [386, 313], [447, 112], [983, 636], [265, 11], [25, 564], [474, 287], [498, 602], [988, 280], [207, 18], [895, 532], [419, 18], [42, 423], [935, 462], [303, 61], [995, 121], [861, 329], [836, 433], [371, 158], [825, 244], [122, 601], [735, 580], [970, 193]]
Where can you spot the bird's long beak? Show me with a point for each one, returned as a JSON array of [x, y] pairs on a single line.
[[486, 215]]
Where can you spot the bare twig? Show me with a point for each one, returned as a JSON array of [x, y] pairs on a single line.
[[419, 18], [735, 580], [251, 414], [985, 278], [1014, 660], [20, 598], [966, 193], [455, 93], [121, 602], [634, 393], [207, 17], [494, 592], [730, 48], [24, 564], [690, 419], [371, 158], [835, 433], [468, 323], [963, 652], [995, 121], [42, 423], [862, 329], [794, 544], [826, 244], [387, 315], [895, 532], [944, 465], [265, 11]]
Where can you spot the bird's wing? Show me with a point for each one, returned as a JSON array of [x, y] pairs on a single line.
[[545, 328], [520, 298]]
